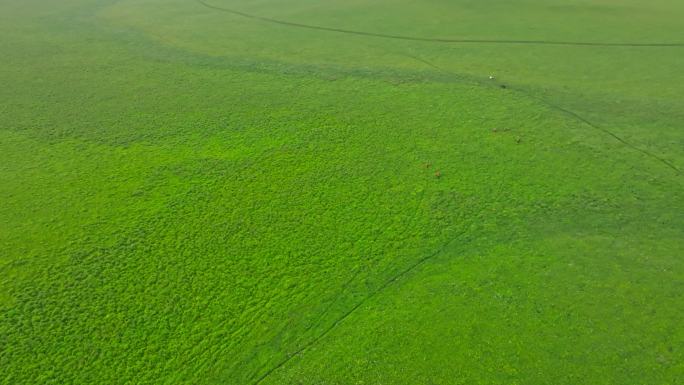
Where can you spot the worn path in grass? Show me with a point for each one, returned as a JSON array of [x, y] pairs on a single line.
[[433, 40]]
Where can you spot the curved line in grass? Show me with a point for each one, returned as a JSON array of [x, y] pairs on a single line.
[[428, 39], [563, 110], [353, 309]]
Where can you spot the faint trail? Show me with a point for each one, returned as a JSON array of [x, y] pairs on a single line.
[[360, 303], [349, 312], [325, 311], [432, 40], [562, 110], [599, 128]]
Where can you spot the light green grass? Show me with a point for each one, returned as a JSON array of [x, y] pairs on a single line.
[[191, 196]]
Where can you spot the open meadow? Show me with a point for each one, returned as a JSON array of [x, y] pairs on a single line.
[[342, 192]]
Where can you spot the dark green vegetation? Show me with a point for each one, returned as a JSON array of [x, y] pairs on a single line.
[[188, 195]]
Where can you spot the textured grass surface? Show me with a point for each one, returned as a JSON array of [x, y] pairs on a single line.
[[193, 196]]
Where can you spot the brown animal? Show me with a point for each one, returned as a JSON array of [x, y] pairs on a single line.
[[438, 174]]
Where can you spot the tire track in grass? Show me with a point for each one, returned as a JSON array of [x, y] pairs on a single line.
[[351, 311], [553, 106], [317, 321], [604, 130], [348, 283], [428, 39]]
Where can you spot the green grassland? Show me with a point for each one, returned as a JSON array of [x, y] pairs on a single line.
[[190, 195]]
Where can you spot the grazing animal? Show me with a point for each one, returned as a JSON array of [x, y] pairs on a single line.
[[438, 174]]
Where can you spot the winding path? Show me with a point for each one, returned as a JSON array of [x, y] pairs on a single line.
[[428, 39]]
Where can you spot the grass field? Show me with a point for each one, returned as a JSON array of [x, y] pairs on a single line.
[[342, 192]]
